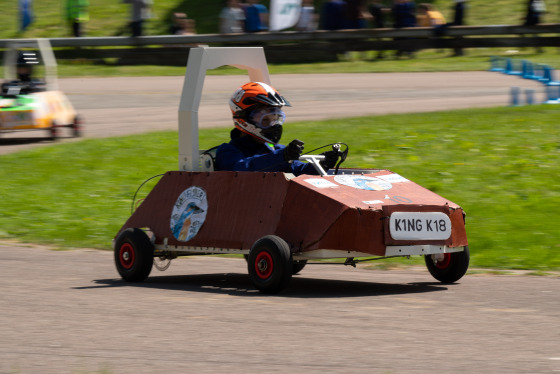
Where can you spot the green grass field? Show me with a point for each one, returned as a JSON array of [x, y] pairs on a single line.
[[501, 165]]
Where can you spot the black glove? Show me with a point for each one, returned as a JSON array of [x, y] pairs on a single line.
[[331, 157], [293, 150]]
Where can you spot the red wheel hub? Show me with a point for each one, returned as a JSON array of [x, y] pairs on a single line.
[[264, 265], [444, 263], [126, 255]]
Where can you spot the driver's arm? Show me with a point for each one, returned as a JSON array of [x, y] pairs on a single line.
[[299, 168]]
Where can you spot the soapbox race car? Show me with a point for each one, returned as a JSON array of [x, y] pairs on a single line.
[[279, 221], [30, 103]]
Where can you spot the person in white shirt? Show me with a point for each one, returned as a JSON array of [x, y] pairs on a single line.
[[307, 18], [231, 18]]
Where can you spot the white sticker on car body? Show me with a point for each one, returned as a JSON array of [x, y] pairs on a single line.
[[321, 183], [362, 182], [373, 202], [393, 178]]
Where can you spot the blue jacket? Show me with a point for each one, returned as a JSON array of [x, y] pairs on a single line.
[[332, 17], [404, 15], [242, 153], [253, 18]]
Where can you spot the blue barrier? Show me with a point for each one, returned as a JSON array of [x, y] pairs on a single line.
[[527, 70], [552, 94], [539, 72], [547, 74], [514, 96], [548, 77], [529, 96], [511, 68], [497, 64], [542, 73]]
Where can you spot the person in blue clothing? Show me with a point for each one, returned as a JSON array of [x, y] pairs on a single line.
[[404, 15], [256, 17], [258, 119], [332, 15]]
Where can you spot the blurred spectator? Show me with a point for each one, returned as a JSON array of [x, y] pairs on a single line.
[[25, 13], [460, 10], [176, 23], [535, 8], [404, 15], [232, 18], [181, 25], [141, 10], [307, 18], [377, 11], [332, 15], [428, 16], [256, 17], [355, 17], [76, 15]]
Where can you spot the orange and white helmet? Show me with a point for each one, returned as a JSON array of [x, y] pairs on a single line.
[[256, 109]]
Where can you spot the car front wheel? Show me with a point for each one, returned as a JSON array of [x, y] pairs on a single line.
[[134, 255], [450, 268]]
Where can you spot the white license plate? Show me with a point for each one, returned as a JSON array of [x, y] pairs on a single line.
[[419, 226]]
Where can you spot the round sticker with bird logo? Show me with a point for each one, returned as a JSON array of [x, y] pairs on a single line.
[[189, 213]]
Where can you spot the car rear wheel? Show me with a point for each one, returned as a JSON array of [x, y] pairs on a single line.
[[270, 264], [298, 266], [450, 268], [76, 127], [53, 132], [134, 255]]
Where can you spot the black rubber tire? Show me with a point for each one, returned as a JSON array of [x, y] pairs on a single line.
[[452, 268], [76, 127], [298, 266], [270, 264], [134, 255], [53, 132]]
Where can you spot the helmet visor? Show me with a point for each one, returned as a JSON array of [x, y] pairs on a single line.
[[266, 117]]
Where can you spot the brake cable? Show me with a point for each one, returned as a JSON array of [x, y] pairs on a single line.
[[134, 197]]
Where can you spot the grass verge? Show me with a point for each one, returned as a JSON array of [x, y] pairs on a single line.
[[354, 62]]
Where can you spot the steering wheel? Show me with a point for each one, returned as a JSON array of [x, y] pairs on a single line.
[[315, 160]]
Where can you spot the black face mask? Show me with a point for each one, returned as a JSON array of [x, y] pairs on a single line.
[[273, 133]]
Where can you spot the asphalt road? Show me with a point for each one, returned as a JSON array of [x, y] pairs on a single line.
[[120, 106], [68, 312]]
